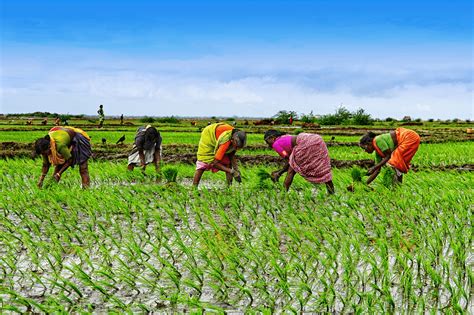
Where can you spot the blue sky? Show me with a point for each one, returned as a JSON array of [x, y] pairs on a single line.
[[244, 58]]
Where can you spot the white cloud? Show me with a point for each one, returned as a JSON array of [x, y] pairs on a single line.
[[241, 84]]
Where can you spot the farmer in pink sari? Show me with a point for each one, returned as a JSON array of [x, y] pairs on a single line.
[[305, 154]]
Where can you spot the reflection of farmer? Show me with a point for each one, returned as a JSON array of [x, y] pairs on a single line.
[[146, 149], [306, 154], [396, 148], [64, 147], [216, 152], [101, 115]]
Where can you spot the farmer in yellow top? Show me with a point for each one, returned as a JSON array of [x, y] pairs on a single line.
[[64, 147], [395, 148], [216, 152]]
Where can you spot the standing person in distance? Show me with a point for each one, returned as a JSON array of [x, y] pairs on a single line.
[[100, 112], [217, 151], [305, 154], [64, 147], [395, 148], [146, 149]]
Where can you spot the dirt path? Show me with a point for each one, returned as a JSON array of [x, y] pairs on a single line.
[[178, 154]]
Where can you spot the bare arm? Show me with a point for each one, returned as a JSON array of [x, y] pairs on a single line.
[[235, 167], [217, 164], [289, 178], [233, 161], [65, 166], [373, 176], [141, 155], [157, 159], [44, 172], [276, 174], [378, 166]]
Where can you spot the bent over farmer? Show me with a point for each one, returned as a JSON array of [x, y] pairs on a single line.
[[216, 152], [395, 148], [64, 147], [305, 154], [146, 149]]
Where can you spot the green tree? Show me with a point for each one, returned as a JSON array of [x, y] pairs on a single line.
[[341, 116], [283, 116], [360, 117], [308, 118]]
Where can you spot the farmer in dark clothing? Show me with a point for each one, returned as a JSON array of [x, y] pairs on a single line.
[[146, 149], [64, 147]]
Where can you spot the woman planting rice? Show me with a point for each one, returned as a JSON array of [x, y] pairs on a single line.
[[306, 154], [146, 149], [216, 152], [395, 148], [64, 147]]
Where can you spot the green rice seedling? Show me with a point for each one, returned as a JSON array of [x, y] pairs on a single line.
[[356, 174], [263, 174], [362, 246], [388, 177], [170, 174], [263, 179]]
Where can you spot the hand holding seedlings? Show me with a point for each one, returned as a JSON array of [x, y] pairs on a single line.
[[371, 170], [275, 176], [236, 174], [40, 182]]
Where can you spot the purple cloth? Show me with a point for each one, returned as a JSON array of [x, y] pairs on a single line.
[[282, 146]]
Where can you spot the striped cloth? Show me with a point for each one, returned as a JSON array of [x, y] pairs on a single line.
[[310, 158]]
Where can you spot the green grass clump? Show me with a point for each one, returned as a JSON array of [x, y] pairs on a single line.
[[170, 174], [356, 174], [263, 174], [263, 179], [388, 177]]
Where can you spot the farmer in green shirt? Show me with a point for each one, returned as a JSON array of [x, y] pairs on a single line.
[[395, 149]]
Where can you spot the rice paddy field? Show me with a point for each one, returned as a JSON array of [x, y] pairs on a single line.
[[142, 243]]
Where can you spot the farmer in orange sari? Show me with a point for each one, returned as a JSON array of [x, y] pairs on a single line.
[[64, 147], [395, 148]]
